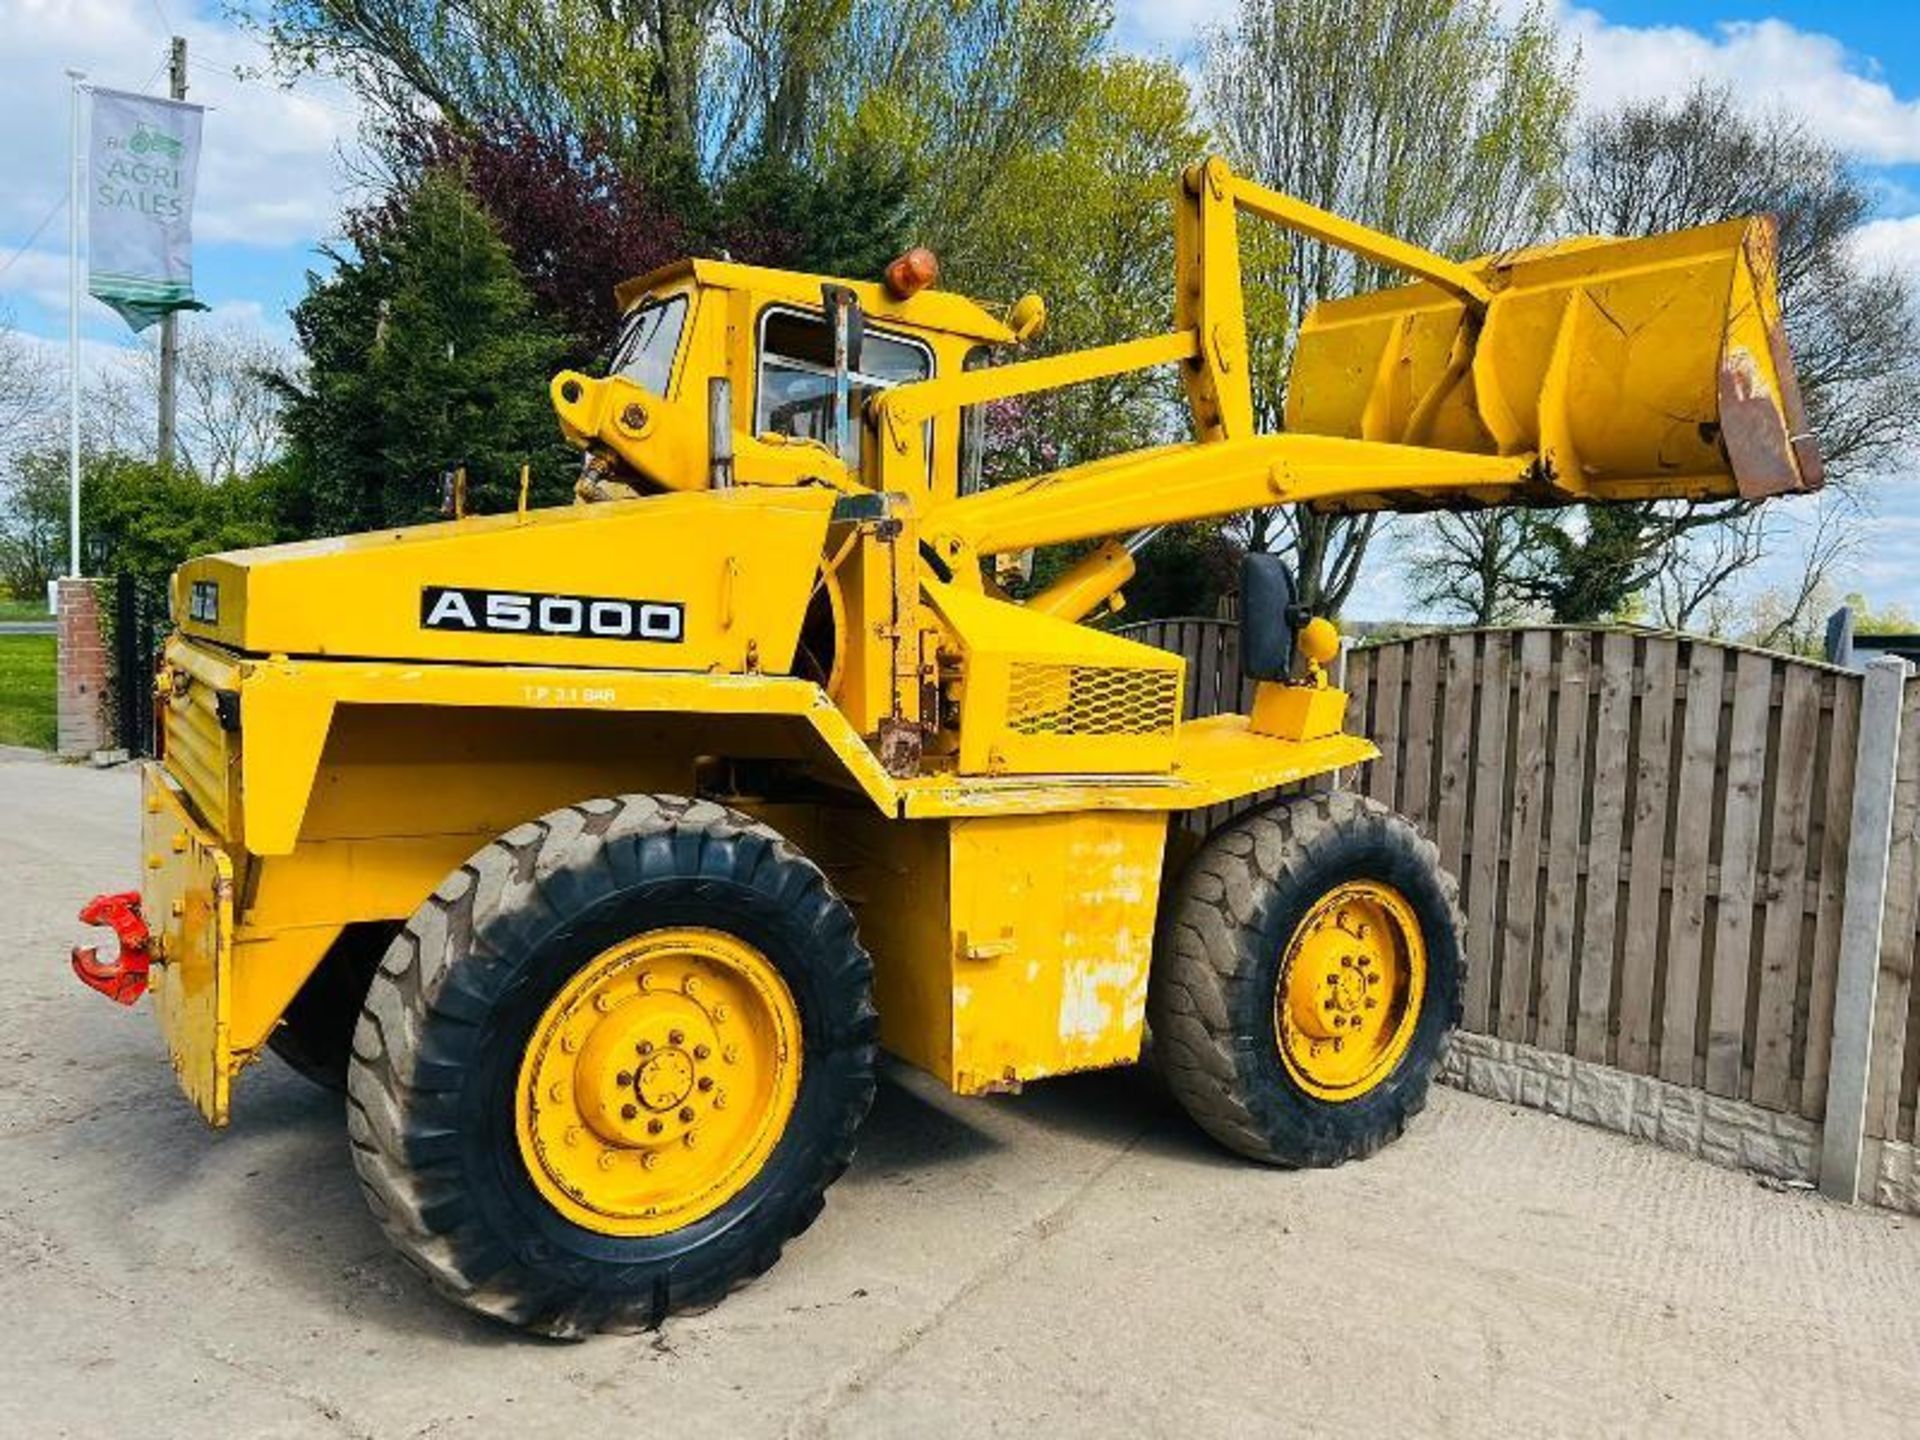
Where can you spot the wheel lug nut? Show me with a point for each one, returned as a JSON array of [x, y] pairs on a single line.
[[645, 982], [1327, 1004], [686, 1114], [1346, 962], [603, 1003], [649, 1160], [606, 1160], [569, 1043], [623, 1079], [701, 1052], [720, 1101], [706, 1082], [573, 1135], [688, 1139], [654, 1127], [730, 1054], [1371, 1002], [1336, 1043], [645, 1047], [557, 1091], [692, 986], [627, 1112], [719, 1013], [674, 1037]]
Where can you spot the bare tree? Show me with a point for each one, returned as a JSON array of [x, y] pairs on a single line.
[[27, 387], [1461, 568], [1854, 332], [1435, 120], [229, 409]]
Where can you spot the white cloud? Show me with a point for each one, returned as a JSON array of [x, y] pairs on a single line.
[[269, 174], [39, 276], [1890, 242], [1768, 64]]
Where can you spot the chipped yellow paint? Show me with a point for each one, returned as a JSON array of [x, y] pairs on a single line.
[[187, 899]]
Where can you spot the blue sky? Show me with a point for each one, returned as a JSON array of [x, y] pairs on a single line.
[[277, 161]]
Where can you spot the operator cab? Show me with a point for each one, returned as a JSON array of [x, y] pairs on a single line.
[[736, 374]]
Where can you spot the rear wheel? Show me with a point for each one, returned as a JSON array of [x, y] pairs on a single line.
[[1308, 978], [612, 1064]]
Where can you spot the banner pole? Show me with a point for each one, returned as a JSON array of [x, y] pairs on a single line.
[[73, 332], [168, 433]]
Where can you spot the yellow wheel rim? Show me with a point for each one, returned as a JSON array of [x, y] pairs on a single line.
[[658, 1081], [1350, 989]]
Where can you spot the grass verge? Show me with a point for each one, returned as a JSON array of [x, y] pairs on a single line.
[[27, 691], [24, 610]]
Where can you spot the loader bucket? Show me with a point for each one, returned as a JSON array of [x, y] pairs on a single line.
[[1632, 368]]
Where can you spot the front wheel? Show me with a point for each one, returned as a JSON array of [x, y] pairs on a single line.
[[612, 1065], [1308, 978]]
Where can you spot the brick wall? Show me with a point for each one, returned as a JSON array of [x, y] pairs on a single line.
[[84, 723]]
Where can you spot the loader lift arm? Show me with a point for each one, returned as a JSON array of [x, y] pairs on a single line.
[[1582, 371]]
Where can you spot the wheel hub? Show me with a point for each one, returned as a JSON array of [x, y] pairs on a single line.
[[1350, 989], [658, 1081]]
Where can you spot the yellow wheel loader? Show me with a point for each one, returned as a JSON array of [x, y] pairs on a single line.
[[594, 851]]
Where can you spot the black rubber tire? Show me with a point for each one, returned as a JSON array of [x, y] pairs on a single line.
[[1210, 999], [315, 1033], [447, 1019]]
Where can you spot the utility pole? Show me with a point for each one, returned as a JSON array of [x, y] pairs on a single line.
[[170, 324]]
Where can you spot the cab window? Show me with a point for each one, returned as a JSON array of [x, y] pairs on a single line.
[[648, 344], [796, 374]]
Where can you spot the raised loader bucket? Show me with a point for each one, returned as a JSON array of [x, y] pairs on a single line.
[[1634, 369]]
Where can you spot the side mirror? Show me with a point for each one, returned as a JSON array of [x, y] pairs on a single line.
[[1269, 616]]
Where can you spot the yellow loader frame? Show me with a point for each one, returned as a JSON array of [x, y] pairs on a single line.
[[812, 632]]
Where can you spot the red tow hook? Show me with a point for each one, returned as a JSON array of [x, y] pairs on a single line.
[[125, 979]]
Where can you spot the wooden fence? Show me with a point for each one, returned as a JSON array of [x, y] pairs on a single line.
[[1651, 834]]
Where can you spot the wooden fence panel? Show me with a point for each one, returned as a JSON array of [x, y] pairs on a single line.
[[1647, 853], [1843, 741], [1612, 729], [1388, 695], [1783, 882], [1528, 812], [1455, 781], [1692, 855], [1490, 773], [1739, 848], [1560, 908]]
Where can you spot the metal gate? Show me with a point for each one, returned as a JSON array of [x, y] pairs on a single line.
[[139, 630]]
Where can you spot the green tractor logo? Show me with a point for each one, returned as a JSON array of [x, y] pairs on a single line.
[[148, 141]]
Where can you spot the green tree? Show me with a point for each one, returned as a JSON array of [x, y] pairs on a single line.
[[847, 218], [423, 355], [1087, 222], [136, 517], [688, 92], [33, 522], [1436, 120]]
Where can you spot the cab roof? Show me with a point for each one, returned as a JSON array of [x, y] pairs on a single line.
[[930, 309]]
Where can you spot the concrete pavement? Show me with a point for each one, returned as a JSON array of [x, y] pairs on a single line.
[[1076, 1261]]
